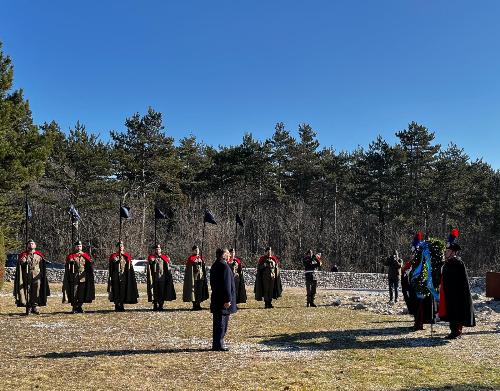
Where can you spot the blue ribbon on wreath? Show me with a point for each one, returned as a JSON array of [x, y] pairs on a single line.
[[426, 260]]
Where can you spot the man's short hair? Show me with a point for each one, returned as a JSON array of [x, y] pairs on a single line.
[[194, 247], [219, 253], [268, 248]]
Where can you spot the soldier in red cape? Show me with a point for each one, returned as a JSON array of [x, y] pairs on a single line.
[[268, 279], [195, 288], [78, 282], [31, 286], [239, 280], [159, 281], [122, 285]]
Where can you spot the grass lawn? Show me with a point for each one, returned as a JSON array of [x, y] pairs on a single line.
[[290, 347]]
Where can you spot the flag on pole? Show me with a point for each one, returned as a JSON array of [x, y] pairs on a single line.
[[29, 213], [239, 220], [159, 214], [74, 213], [124, 212], [209, 218]]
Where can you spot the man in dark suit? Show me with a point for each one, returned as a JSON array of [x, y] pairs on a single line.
[[223, 299]]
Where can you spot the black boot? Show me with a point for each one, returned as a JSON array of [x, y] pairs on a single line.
[[155, 306], [160, 306], [312, 304]]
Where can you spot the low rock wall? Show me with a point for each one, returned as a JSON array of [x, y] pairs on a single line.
[[290, 278]]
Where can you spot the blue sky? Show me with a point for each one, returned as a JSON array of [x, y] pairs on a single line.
[[217, 69]]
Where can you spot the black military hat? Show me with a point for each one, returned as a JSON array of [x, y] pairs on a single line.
[[78, 243], [194, 247], [30, 241], [119, 243], [454, 247]]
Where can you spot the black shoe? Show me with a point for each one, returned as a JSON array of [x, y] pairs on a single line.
[[80, 310], [155, 307], [307, 304], [35, 311], [453, 336], [220, 349], [74, 310], [312, 304]]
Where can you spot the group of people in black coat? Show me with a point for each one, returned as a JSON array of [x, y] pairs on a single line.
[[455, 303]]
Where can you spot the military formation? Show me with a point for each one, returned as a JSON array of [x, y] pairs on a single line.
[[434, 282]]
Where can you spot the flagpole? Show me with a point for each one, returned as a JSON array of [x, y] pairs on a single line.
[[235, 235], [26, 217], [120, 232], [155, 243], [72, 214], [203, 237]]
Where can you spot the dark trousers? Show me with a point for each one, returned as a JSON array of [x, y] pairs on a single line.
[[311, 290], [456, 328], [393, 285], [419, 316], [219, 330]]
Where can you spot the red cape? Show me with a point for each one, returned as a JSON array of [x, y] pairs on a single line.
[[126, 255], [25, 253], [162, 256], [74, 255], [192, 259], [237, 260], [266, 257]]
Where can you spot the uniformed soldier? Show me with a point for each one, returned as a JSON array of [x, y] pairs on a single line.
[[122, 285], [160, 284], [312, 263], [239, 280], [195, 280], [268, 279], [31, 286], [78, 281], [455, 301]]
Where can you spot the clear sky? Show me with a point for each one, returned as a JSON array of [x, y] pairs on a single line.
[[216, 69]]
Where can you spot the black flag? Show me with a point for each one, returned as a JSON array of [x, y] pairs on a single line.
[[29, 214], [239, 221], [159, 214], [124, 212], [209, 218], [74, 213]]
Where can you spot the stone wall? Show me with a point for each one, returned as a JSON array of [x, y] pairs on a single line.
[[290, 278]]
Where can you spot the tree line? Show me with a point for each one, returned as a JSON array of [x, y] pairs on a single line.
[[292, 193]]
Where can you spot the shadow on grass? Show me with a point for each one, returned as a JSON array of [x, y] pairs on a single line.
[[114, 353], [101, 311], [453, 387], [351, 339]]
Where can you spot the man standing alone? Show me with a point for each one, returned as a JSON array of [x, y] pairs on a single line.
[[455, 301], [223, 300], [394, 273]]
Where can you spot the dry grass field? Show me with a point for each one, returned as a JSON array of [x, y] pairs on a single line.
[[287, 348]]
